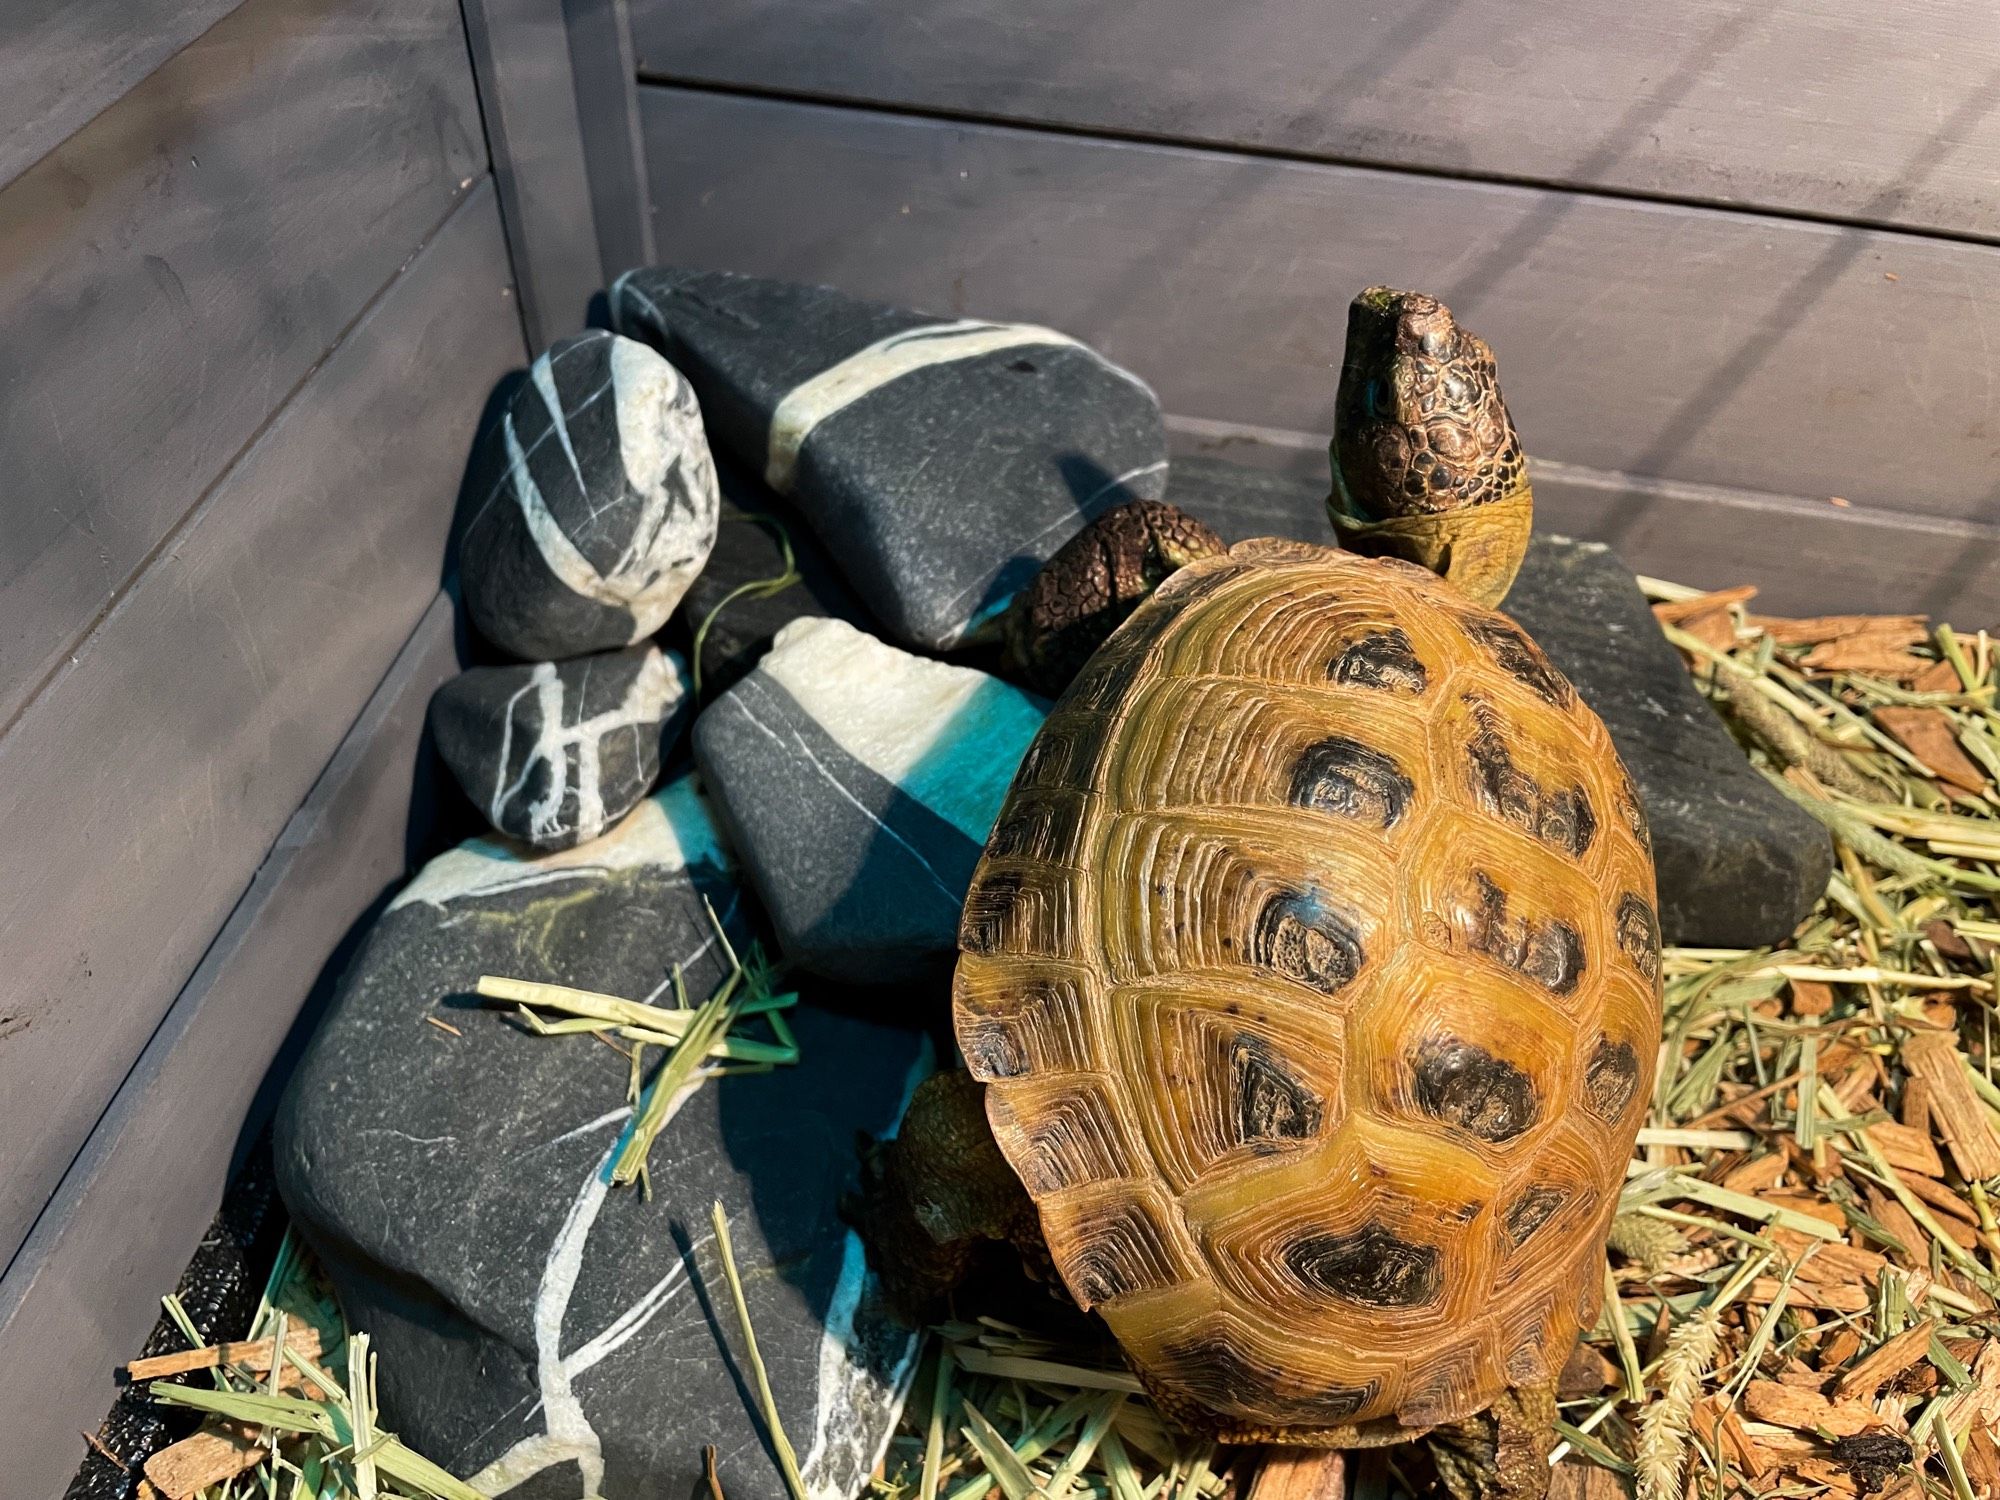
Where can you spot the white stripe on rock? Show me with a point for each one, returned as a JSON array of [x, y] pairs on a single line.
[[840, 385], [671, 829], [667, 464], [657, 684], [951, 737]]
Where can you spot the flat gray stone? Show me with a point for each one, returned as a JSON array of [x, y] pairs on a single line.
[[940, 460], [542, 1334], [1738, 864], [592, 502], [859, 783], [555, 753]]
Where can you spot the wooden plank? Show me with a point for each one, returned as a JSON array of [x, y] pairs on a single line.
[[173, 270], [140, 792], [1804, 557], [1852, 109], [64, 62], [605, 69], [1719, 348], [520, 52], [82, 1294]]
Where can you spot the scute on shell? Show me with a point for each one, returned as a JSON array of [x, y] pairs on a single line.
[[1313, 972]]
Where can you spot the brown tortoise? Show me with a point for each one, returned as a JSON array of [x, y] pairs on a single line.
[[1311, 975]]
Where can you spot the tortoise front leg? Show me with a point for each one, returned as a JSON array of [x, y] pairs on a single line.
[[937, 1192], [1502, 1453]]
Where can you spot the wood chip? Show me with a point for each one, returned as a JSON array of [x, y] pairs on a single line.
[[1810, 1204], [1915, 1109], [1961, 1117], [1810, 998], [1757, 1176], [1678, 611], [1834, 1296], [1575, 1480], [1927, 734], [1300, 1474], [1951, 943], [1842, 1347], [1864, 656], [1938, 677], [253, 1354], [1908, 629], [207, 1458], [1892, 1216], [1936, 1195], [1870, 1373], [1905, 1149], [1823, 1471], [1831, 1261], [1805, 1410], [1585, 1373]]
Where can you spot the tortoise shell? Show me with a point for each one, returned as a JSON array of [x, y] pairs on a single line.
[[1313, 970]]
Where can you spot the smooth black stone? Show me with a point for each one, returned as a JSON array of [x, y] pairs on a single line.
[[863, 867], [555, 753], [1738, 864], [591, 504], [453, 1187], [939, 490], [747, 550]]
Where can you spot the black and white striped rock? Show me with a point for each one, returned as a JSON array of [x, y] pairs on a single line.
[[941, 460], [593, 502], [555, 753], [858, 783], [542, 1334]]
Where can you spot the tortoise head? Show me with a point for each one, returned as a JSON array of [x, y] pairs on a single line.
[[1426, 463]]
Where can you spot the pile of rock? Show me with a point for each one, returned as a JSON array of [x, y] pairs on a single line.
[[551, 1337]]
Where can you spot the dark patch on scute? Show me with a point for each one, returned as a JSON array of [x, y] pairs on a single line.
[[1531, 1211], [1520, 658], [1561, 818], [991, 1050], [1568, 822], [1372, 1266], [1306, 941], [1272, 1104], [1639, 934], [1351, 780], [1631, 811], [1463, 1085], [989, 910], [1024, 828], [1609, 1079], [1550, 952], [1217, 1374], [1125, 1253], [1384, 659]]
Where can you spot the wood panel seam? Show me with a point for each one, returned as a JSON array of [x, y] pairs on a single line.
[[68, 652], [1250, 151]]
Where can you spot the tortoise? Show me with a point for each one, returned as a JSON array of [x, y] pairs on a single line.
[[1308, 985]]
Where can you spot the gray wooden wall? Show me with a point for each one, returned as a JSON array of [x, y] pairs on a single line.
[[1738, 257], [254, 294]]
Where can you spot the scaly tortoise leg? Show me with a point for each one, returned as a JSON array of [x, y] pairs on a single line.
[[1503, 1452], [938, 1191]]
